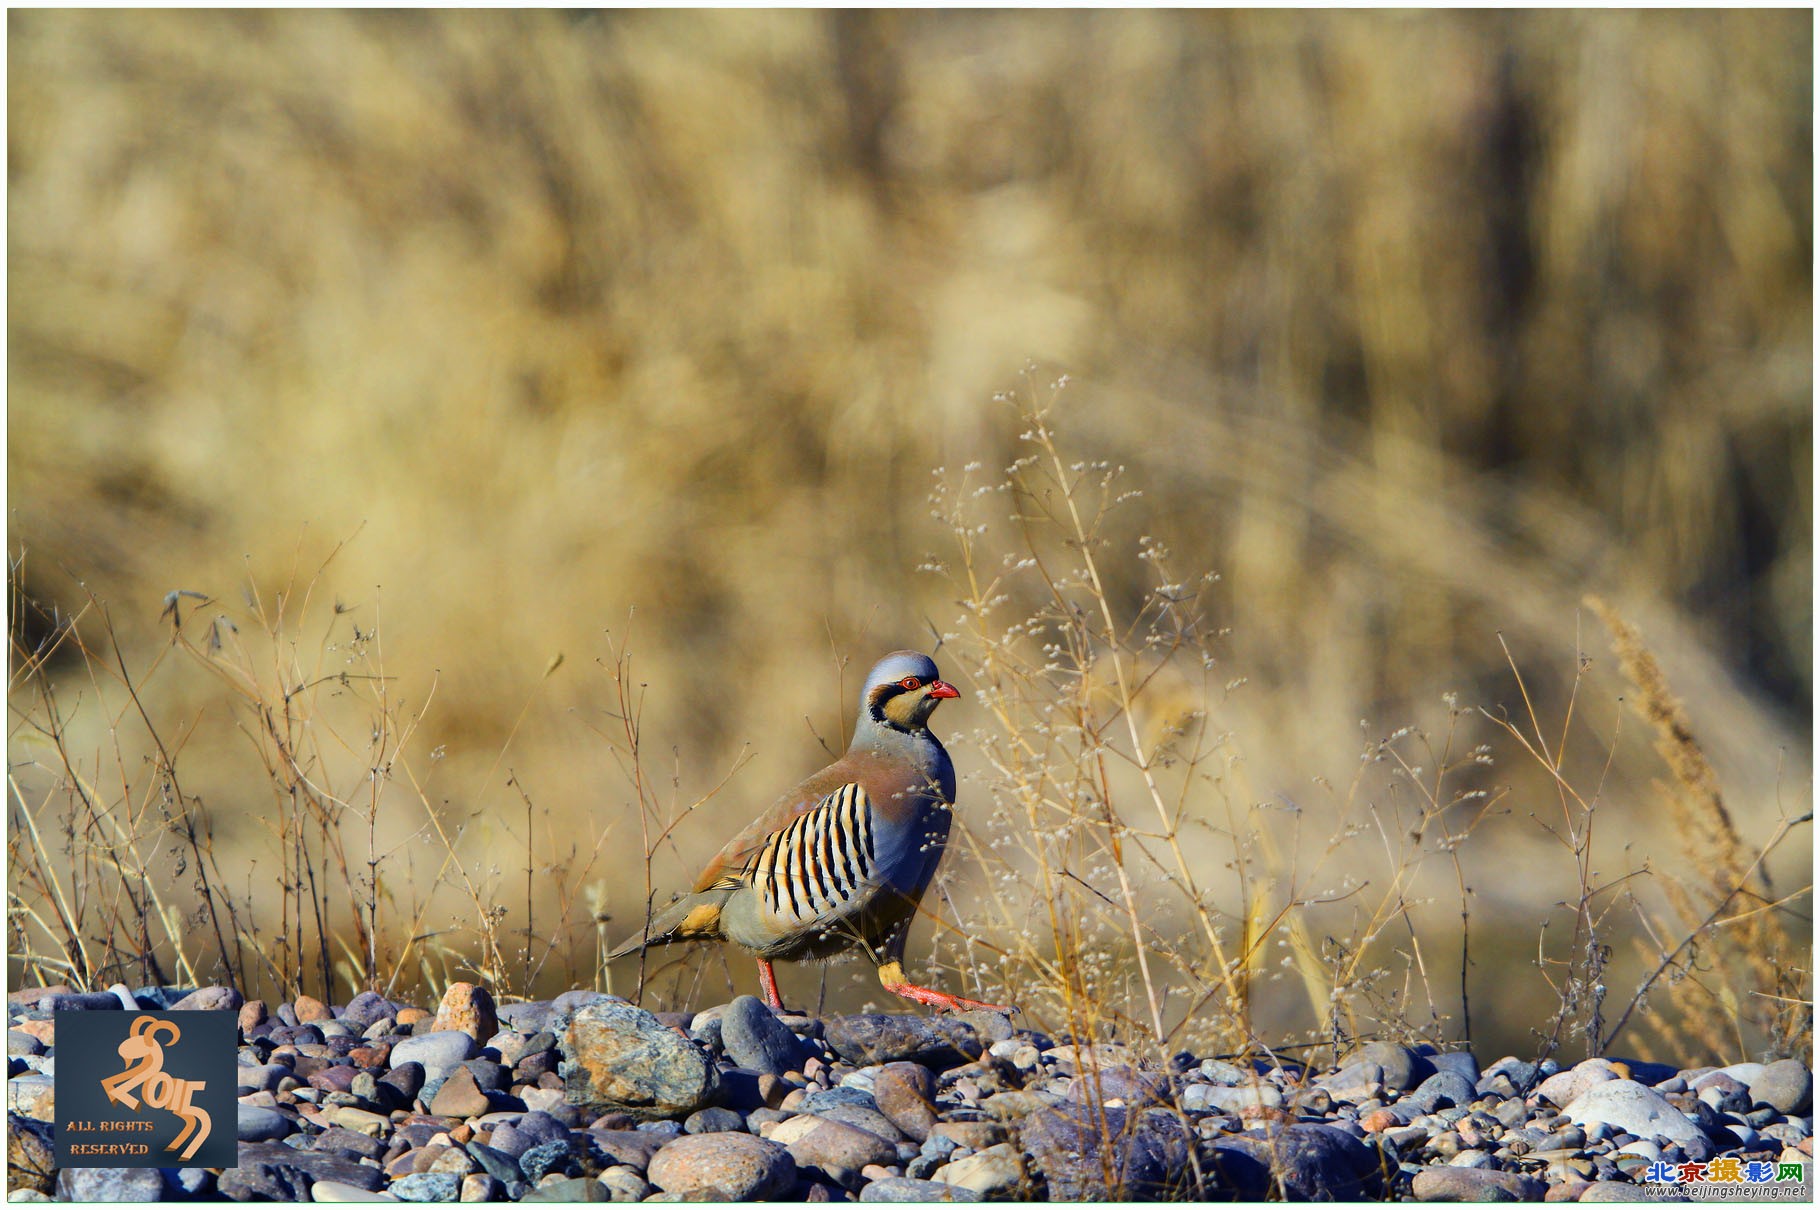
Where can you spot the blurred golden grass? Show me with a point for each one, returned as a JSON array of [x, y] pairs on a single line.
[[1415, 327]]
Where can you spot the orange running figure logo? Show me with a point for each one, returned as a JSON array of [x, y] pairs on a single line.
[[144, 1056]]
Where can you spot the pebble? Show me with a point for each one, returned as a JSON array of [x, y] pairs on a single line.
[[905, 1189], [755, 1039], [1635, 1109], [735, 1167], [588, 1098]]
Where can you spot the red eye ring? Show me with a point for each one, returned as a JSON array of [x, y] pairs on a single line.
[[911, 682]]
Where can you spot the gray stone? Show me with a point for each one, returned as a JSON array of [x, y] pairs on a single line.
[[110, 1185], [905, 1189], [1635, 1109], [261, 1125], [713, 1120], [1787, 1085], [867, 1038], [1443, 1090], [834, 1147], [1118, 1153], [1402, 1068], [738, 1167], [427, 1187], [275, 1172], [439, 1052], [570, 1189], [754, 1038], [1449, 1184], [618, 1057], [341, 1191], [564, 1156], [1305, 1161], [210, 999]]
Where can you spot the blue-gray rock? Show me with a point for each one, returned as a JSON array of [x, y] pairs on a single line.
[[1305, 1162], [1509, 1077], [1460, 1062], [664, 1129], [1402, 1068], [65, 1002], [279, 1173], [367, 1010], [496, 1163], [353, 1142], [827, 1098], [867, 1038], [440, 1052], [1635, 1109], [110, 1184], [564, 1156], [1443, 1090], [426, 1187], [619, 1057], [713, 1120], [739, 1089], [406, 1077], [1088, 1153], [531, 1017], [261, 1125], [906, 1189], [755, 1039]]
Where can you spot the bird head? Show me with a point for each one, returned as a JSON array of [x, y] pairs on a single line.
[[903, 690]]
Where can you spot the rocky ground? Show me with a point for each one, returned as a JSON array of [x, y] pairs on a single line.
[[588, 1098]]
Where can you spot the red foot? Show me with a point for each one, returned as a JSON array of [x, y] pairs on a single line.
[[943, 1001], [767, 983]]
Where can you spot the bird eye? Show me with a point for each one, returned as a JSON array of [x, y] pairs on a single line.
[[910, 682]]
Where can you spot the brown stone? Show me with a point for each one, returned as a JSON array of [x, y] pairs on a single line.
[[459, 1096], [411, 1016], [252, 1015], [905, 1093], [309, 1008], [470, 1009], [44, 1031]]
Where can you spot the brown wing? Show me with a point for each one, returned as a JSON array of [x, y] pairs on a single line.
[[732, 859]]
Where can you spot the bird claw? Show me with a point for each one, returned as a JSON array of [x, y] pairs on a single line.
[[944, 1002]]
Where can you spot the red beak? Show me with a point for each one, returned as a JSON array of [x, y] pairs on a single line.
[[942, 689]]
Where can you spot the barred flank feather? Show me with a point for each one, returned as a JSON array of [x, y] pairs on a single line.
[[820, 861]]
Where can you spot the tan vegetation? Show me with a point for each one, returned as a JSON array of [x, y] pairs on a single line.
[[543, 407]]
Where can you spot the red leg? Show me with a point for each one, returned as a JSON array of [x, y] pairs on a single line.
[[891, 975], [767, 982]]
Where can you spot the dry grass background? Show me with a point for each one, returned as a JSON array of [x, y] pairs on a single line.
[[1415, 328]]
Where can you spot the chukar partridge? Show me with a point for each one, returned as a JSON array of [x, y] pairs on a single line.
[[843, 859]]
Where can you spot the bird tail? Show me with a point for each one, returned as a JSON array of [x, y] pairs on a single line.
[[692, 918]]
